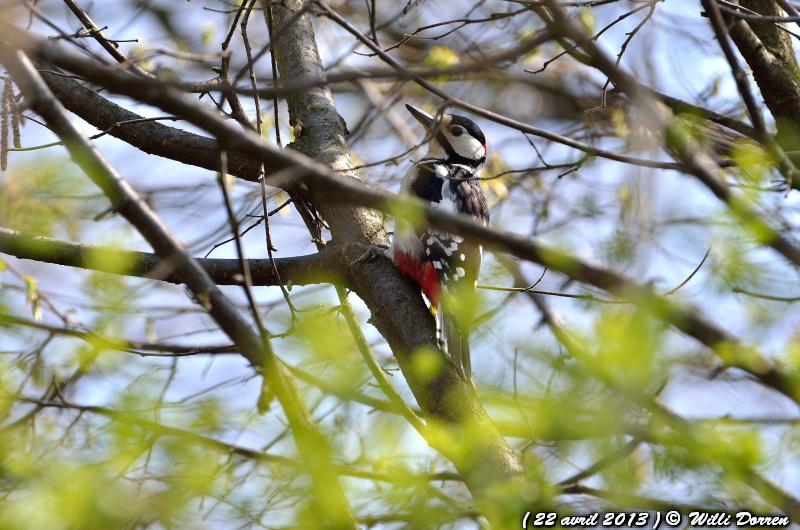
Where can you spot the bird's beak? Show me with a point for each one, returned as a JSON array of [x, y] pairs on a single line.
[[421, 116]]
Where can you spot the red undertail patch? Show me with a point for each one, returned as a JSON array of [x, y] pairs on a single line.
[[421, 272]]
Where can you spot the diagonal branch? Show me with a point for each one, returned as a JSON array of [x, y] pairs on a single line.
[[150, 137], [196, 150], [97, 33]]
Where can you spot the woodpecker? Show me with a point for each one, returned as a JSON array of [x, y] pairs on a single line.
[[440, 262]]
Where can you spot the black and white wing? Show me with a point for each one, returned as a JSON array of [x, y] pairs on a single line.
[[457, 261]]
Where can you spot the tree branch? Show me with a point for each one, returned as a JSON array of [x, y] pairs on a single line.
[[298, 270], [150, 137], [97, 33], [776, 80]]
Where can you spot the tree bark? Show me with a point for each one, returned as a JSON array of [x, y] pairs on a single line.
[[769, 54], [297, 270], [474, 445]]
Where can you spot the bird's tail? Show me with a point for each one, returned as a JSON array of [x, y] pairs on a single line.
[[454, 340]]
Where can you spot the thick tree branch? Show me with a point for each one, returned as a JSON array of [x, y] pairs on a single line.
[[763, 136], [777, 81], [150, 137], [299, 270], [488, 463], [775, 37], [769, 53]]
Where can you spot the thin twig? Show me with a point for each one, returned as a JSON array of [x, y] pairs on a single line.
[[233, 222]]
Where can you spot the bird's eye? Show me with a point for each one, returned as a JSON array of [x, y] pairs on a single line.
[[456, 130]]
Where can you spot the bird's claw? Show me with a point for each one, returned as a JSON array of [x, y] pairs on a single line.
[[371, 252]]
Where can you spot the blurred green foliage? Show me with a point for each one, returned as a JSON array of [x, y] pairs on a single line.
[[38, 199]]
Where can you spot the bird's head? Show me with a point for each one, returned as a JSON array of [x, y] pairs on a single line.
[[454, 138]]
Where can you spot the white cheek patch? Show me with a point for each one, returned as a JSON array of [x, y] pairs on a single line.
[[467, 146]]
